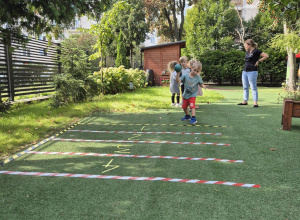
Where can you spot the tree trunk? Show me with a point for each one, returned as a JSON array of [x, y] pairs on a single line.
[[131, 46], [292, 66]]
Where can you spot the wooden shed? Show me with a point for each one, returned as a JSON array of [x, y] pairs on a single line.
[[157, 57]]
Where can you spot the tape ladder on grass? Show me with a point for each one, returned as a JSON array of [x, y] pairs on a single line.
[[174, 180], [141, 142], [214, 126], [35, 146], [141, 132], [135, 156]]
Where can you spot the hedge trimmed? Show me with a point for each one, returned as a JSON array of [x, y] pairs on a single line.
[[226, 67]]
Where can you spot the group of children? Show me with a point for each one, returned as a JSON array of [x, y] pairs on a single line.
[[190, 82]]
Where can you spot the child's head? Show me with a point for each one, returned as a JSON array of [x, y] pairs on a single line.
[[183, 61], [171, 66], [192, 62], [196, 67]]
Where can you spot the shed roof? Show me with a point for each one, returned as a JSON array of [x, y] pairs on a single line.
[[181, 43]]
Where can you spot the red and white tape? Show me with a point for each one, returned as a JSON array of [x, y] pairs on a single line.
[[135, 156], [131, 178], [143, 142], [141, 132]]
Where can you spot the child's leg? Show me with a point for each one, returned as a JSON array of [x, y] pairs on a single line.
[[178, 97], [187, 116], [173, 98]]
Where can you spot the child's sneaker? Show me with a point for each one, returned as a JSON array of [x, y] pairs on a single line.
[[173, 104], [186, 118], [193, 121]]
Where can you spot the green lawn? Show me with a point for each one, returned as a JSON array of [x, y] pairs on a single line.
[[270, 155]]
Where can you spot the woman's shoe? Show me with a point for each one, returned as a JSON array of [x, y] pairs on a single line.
[[243, 103], [255, 106]]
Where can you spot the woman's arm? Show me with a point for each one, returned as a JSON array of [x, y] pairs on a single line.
[[263, 57]]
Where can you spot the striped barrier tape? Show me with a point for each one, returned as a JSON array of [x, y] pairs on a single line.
[[135, 156], [143, 142], [131, 178], [214, 126], [141, 132], [34, 146]]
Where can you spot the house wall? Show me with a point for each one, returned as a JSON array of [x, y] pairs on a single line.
[[158, 59]]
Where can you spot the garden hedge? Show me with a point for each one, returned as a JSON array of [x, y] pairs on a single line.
[[226, 67]]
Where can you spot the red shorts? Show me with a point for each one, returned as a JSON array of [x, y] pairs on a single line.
[[191, 101]]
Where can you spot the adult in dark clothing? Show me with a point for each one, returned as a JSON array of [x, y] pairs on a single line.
[[249, 76]]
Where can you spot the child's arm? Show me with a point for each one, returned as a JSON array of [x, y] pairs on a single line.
[[177, 78], [203, 86]]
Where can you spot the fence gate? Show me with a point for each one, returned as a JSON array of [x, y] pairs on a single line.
[[27, 70]]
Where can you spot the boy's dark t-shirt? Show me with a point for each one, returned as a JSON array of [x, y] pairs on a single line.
[[251, 59]]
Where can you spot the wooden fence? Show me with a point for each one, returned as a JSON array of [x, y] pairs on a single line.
[[27, 70]]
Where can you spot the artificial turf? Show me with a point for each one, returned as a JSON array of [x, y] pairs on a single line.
[[270, 155]]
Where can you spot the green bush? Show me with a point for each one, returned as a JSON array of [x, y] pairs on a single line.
[[76, 83], [221, 67], [116, 80]]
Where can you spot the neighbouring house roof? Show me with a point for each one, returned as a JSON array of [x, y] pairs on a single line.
[[181, 43]]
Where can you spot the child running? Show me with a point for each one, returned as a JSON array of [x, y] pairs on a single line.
[[191, 82], [174, 86]]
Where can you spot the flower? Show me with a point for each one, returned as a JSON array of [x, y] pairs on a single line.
[[165, 81]]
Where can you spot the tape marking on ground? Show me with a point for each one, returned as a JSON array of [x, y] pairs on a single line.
[[247, 185], [136, 156], [141, 132], [143, 142], [214, 126], [34, 146]]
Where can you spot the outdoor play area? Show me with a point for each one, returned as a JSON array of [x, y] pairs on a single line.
[[145, 163]]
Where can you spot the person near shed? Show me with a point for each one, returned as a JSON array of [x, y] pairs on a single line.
[[249, 76], [174, 86]]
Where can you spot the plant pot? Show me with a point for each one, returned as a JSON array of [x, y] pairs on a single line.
[[290, 109], [165, 84]]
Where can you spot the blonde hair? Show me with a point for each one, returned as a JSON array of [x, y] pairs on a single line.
[[196, 64], [181, 59], [251, 43], [191, 63], [171, 66]]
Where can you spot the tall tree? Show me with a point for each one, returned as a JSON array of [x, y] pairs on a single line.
[[287, 11], [160, 11], [36, 16], [121, 52], [210, 25], [127, 17]]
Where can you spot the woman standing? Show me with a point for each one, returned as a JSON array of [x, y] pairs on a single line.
[[249, 76]]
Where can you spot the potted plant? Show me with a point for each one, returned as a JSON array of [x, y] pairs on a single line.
[[291, 108], [165, 82]]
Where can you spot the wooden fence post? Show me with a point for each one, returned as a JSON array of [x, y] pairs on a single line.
[[9, 66], [58, 57]]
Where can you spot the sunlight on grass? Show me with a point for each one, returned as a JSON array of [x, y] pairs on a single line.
[[27, 124]]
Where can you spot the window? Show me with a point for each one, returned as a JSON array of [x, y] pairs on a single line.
[[152, 39]]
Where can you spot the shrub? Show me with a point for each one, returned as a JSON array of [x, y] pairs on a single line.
[[220, 67], [76, 83], [116, 80], [4, 105]]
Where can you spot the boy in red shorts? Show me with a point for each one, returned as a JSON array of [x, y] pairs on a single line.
[[191, 82]]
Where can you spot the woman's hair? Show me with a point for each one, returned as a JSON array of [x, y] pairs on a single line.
[[196, 64], [251, 43], [181, 59], [171, 66]]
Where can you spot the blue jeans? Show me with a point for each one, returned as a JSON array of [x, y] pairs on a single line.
[[250, 78]]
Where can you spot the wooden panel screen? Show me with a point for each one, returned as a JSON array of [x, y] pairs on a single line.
[[28, 70]]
